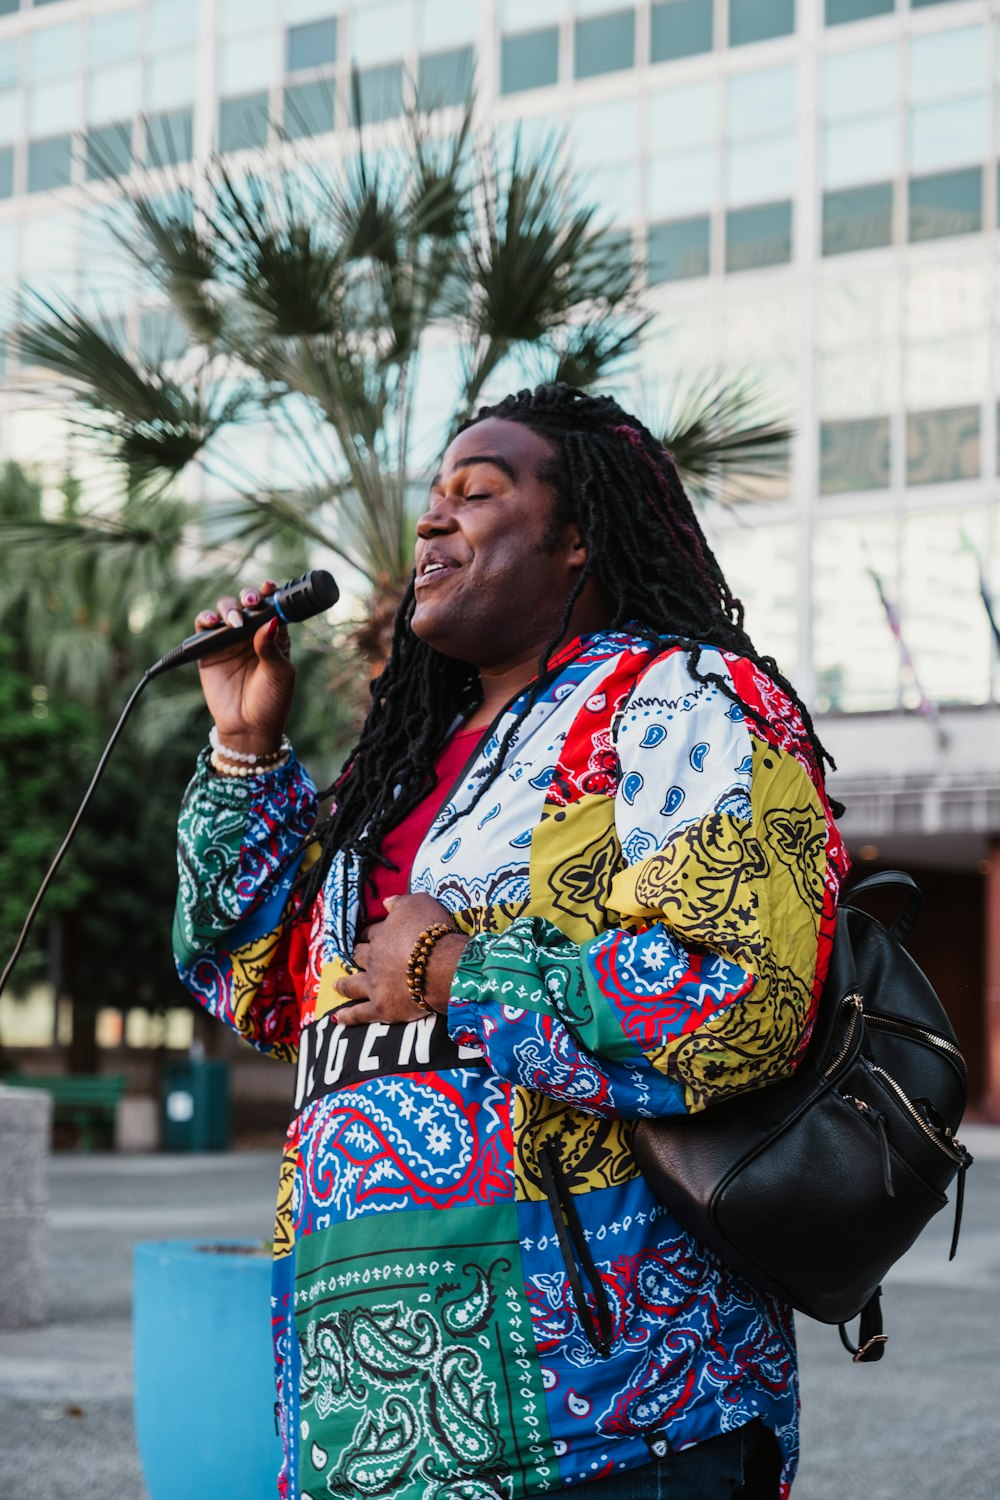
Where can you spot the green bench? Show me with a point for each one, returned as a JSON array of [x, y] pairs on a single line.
[[87, 1102]]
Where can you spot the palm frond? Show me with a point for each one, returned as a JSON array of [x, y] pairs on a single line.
[[149, 421], [280, 262], [540, 261], [167, 241], [724, 442]]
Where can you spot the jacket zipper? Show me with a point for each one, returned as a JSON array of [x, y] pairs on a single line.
[[856, 1003]]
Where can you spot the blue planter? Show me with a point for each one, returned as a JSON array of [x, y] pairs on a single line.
[[204, 1372]]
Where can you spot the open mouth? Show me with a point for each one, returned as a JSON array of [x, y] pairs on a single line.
[[434, 568]]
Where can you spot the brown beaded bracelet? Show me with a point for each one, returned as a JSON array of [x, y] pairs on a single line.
[[416, 969]]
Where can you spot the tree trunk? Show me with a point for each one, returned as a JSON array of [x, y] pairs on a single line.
[[82, 1053]]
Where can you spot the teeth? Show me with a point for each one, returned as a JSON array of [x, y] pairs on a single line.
[[434, 567]]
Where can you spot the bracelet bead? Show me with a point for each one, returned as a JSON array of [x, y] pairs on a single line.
[[225, 767], [416, 968]]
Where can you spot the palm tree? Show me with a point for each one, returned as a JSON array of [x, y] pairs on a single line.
[[317, 304]]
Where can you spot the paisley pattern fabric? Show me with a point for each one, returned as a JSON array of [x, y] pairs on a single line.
[[474, 1292]]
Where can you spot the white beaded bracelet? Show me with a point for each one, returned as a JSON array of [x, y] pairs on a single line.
[[248, 757], [255, 768]]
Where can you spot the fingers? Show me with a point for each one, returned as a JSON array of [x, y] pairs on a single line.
[[361, 1014], [229, 609], [272, 643], [353, 986]]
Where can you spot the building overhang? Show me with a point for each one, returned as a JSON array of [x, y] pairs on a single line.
[[918, 791]]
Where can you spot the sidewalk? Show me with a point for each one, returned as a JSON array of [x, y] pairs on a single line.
[[924, 1424]]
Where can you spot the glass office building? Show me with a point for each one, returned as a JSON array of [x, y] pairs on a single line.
[[812, 186]]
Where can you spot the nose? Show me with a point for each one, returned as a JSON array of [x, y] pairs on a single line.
[[437, 519]]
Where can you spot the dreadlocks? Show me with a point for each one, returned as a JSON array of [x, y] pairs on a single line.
[[644, 544]]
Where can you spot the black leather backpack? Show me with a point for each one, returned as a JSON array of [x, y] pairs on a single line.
[[813, 1187]]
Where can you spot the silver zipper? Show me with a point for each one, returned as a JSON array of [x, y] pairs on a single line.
[[890, 1023], [856, 1003], [957, 1157]]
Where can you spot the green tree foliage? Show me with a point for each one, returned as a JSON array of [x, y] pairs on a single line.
[[80, 624]]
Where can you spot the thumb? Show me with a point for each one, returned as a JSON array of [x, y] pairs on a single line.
[[271, 641]]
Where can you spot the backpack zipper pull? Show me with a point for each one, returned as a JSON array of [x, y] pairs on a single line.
[[878, 1123], [959, 1196], [883, 1135]]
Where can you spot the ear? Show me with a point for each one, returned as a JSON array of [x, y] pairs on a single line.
[[576, 547]]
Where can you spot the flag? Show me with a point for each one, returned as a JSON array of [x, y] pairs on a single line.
[[984, 593], [924, 704]]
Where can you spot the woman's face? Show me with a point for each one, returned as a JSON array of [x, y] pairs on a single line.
[[493, 571]]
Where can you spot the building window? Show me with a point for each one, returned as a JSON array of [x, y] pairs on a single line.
[[379, 94], [107, 151], [950, 133], [529, 61], [50, 163], [857, 219], [169, 138], [114, 37], [840, 12], [604, 44], [6, 171], [308, 109], [680, 28], [445, 78], [946, 203], [243, 122], [854, 455], [677, 251], [312, 46], [756, 20], [942, 446], [759, 236]]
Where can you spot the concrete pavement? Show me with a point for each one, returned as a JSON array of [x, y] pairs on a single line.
[[924, 1424]]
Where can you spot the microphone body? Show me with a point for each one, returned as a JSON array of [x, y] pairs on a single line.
[[298, 600]]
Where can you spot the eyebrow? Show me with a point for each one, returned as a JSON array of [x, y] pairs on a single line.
[[496, 459]]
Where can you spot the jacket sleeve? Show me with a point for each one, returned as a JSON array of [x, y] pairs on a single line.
[[241, 944], [722, 902]]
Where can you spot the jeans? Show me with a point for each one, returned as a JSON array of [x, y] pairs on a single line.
[[727, 1467]]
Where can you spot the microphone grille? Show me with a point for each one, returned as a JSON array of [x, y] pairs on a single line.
[[307, 596]]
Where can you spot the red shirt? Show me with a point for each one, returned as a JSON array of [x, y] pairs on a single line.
[[401, 843]]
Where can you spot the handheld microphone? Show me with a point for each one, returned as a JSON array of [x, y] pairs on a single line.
[[299, 600]]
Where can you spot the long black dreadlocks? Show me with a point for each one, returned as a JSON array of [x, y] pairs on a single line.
[[659, 575]]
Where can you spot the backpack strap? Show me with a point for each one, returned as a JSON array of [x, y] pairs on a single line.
[[871, 1340], [902, 928]]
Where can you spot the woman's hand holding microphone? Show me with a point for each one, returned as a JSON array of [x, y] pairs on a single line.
[[248, 688]]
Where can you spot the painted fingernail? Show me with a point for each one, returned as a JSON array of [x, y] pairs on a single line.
[[273, 626], [234, 618], [251, 598]]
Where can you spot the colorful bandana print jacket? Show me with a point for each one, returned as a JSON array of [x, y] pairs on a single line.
[[475, 1293]]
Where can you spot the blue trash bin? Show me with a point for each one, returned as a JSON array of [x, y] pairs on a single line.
[[204, 1370]]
